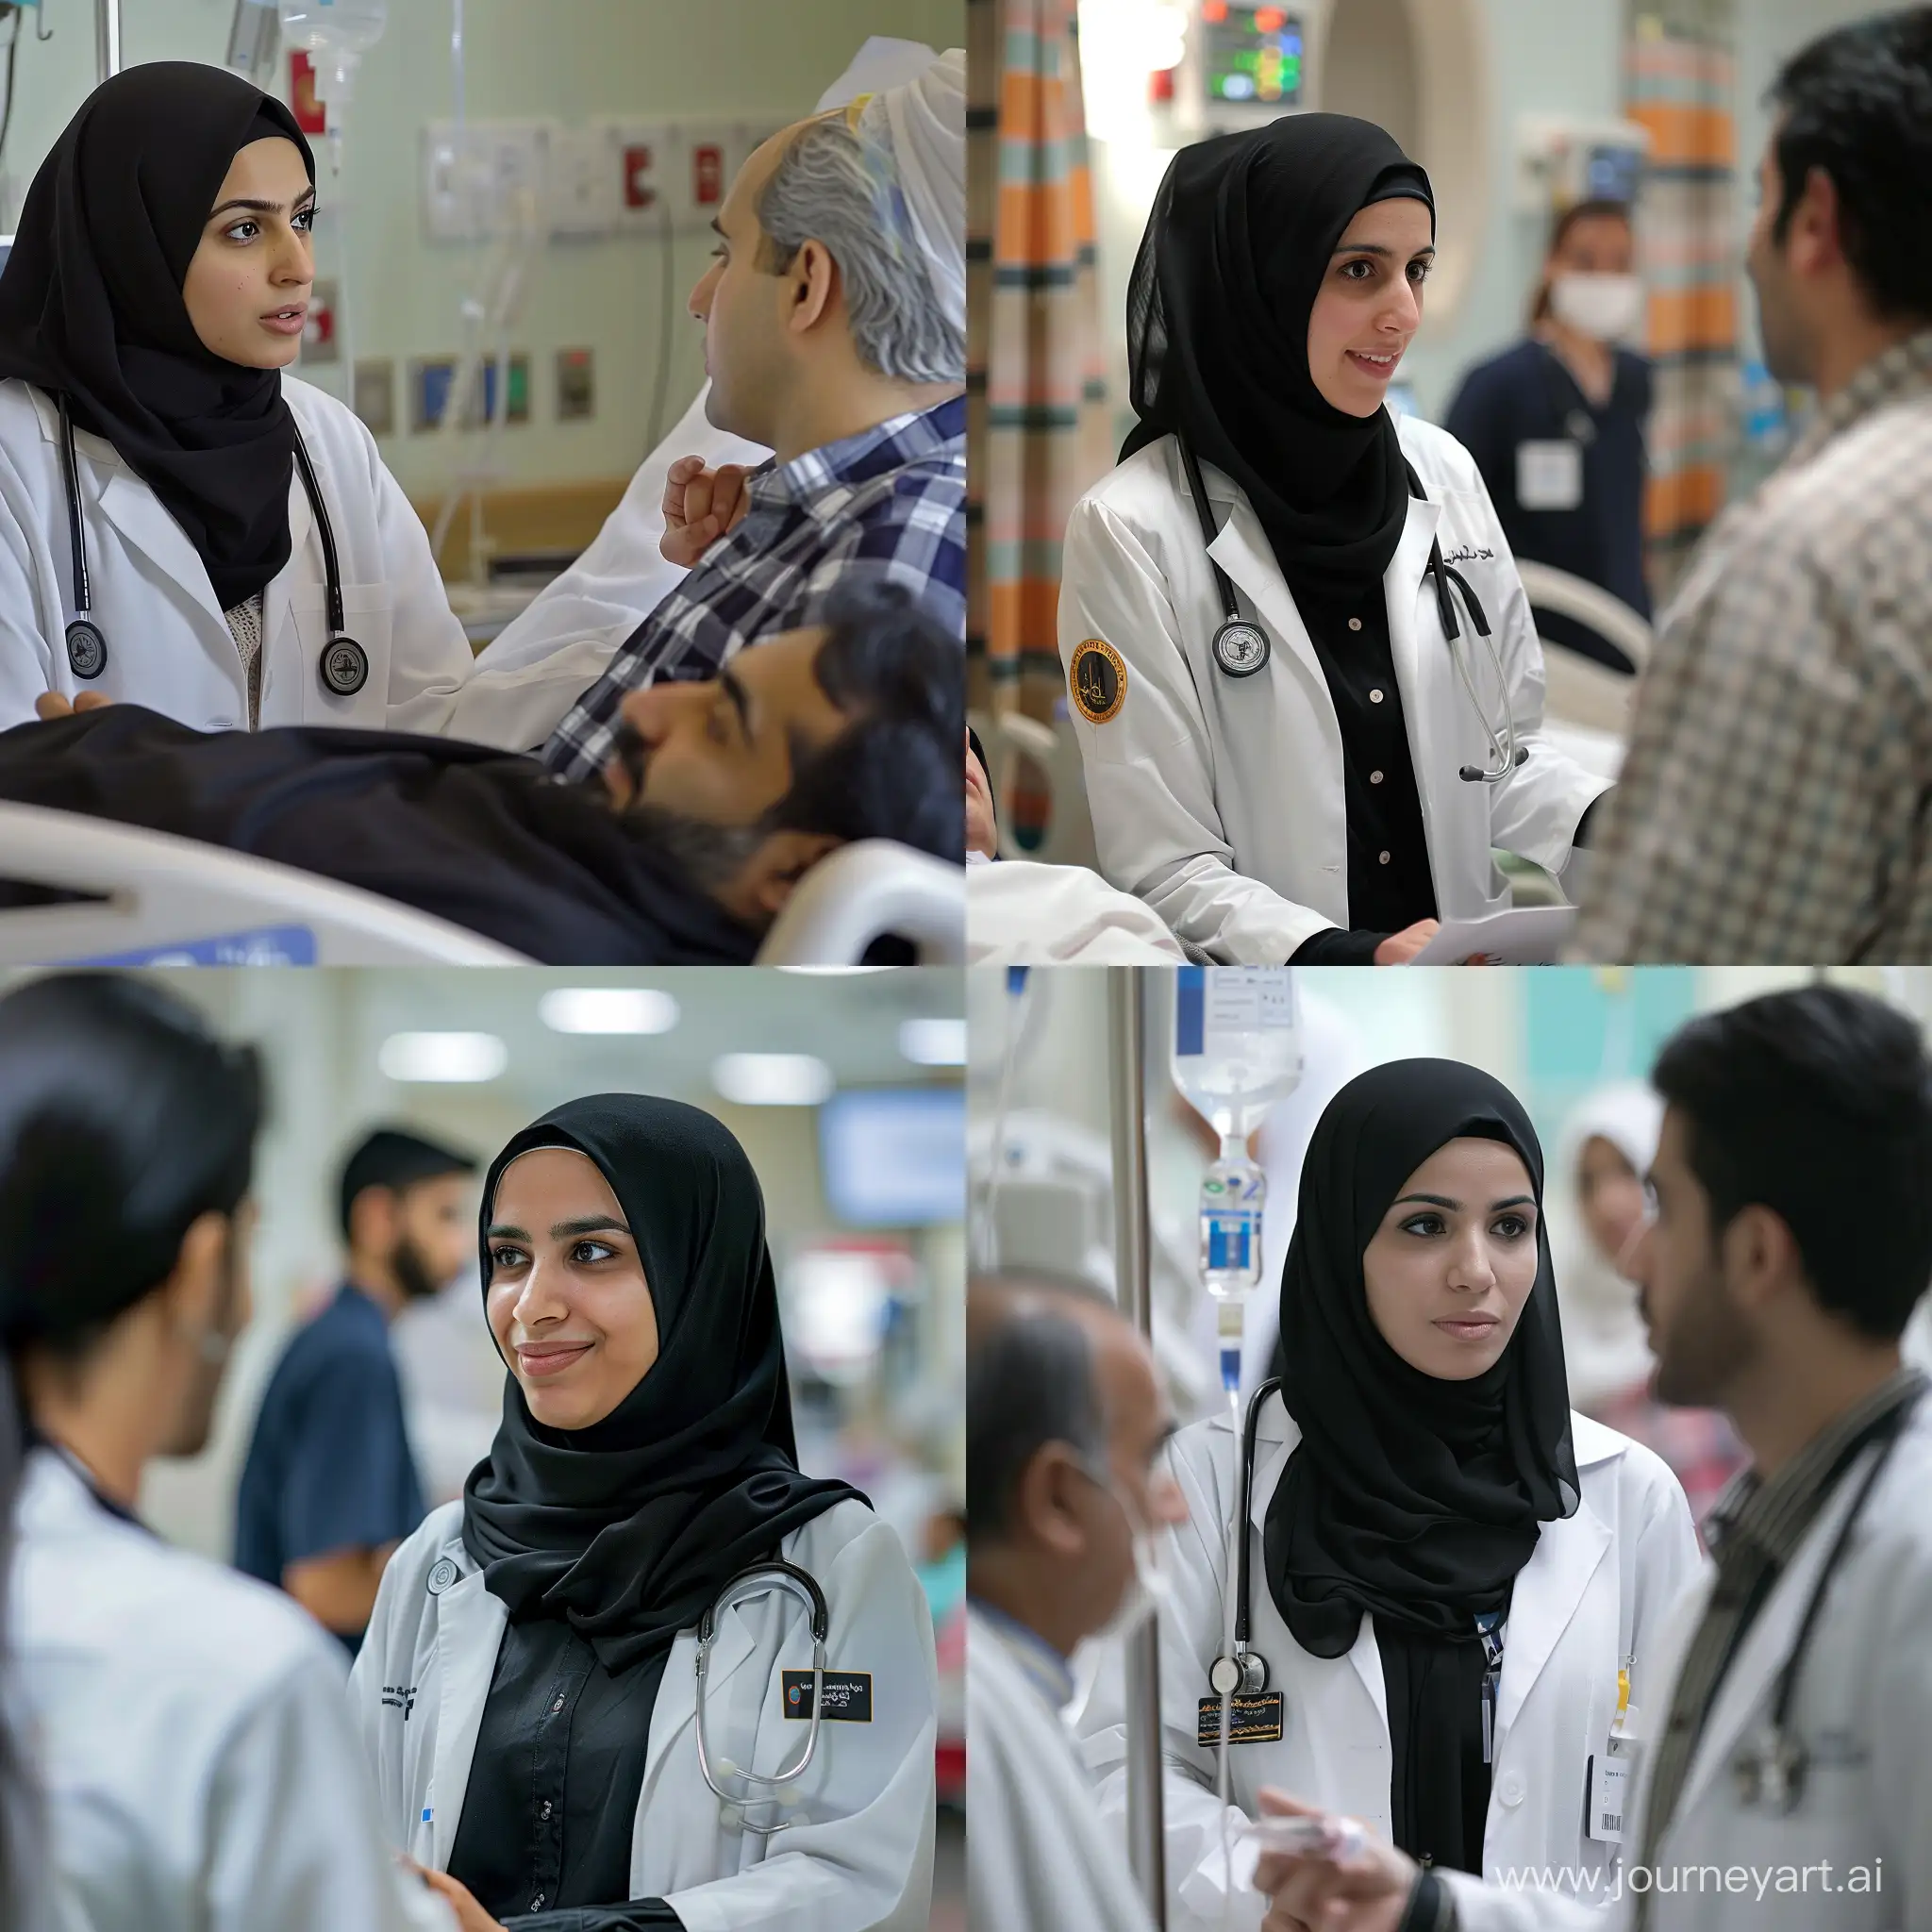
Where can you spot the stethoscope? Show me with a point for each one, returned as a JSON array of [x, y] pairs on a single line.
[[800, 1584], [1242, 648], [1770, 1770], [1245, 1673], [344, 666]]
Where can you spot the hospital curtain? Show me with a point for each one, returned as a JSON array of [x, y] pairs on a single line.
[[1679, 79], [1037, 422]]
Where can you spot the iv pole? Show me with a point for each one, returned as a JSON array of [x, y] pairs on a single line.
[[1127, 1056], [108, 37]]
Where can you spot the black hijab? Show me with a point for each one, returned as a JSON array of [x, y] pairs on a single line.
[[629, 1529], [90, 308], [1235, 253], [1413, 1498]]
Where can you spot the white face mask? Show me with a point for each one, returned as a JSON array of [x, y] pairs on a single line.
[[1605, 307], [1150, 1589]]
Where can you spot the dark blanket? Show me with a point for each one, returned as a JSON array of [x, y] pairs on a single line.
[[476, 836]]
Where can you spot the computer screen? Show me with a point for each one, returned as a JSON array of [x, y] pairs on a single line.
[[894, 1157]]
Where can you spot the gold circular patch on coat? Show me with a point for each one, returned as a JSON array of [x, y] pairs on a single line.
[[1098, 680]]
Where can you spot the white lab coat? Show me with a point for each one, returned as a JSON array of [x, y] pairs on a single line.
[[1018, 913], [1862, 1708], [1219, 799], [529, 676], [1038, 1857], [201, 1769], [864, 1858], [1596, 1590], [169, 646]]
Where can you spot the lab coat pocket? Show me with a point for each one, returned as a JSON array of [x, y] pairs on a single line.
[[367, 618]]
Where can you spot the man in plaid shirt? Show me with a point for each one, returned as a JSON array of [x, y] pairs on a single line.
[[1776, 803], [835, 336]]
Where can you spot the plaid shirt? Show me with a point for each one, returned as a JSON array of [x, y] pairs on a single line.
[[1757, 1529], [1772, 806], [887, 503]]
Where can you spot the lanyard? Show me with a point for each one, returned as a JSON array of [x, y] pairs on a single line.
[[1489, 1628]]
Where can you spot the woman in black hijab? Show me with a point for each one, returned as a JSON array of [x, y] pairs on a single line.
[[1294, 788], [645, 1459], [157, 288], [1449, 1567]]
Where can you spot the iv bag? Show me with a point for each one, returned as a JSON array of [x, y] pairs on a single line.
[[1236, 1043]]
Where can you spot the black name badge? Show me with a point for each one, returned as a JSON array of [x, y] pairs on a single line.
[[848, 1696], [1256, 1719]]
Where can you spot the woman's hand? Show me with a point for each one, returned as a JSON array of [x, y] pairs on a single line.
[[1399, 948], [700, 505], [50, 705], [1369, 1893], [471, 1917]]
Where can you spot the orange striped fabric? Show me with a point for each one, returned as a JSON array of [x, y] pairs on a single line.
[[1036, 425], [1679, 83]]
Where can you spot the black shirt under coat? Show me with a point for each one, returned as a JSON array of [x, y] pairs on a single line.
[[1349, 629], [545, 1837]]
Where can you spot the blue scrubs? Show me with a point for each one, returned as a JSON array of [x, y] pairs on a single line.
[[1526, 395], [330, 1466]]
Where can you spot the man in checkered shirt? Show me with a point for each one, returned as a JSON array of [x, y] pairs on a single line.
[[1776, 803], [835, 336]]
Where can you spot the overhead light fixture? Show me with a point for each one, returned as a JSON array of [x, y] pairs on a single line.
[[608, 1009], [933, 1042], [452, 1057], [772, 1080]]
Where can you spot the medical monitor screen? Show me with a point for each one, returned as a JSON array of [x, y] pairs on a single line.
[[1252, 53], [894, 1157]]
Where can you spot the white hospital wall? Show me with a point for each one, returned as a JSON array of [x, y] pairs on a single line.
[[587, 59]]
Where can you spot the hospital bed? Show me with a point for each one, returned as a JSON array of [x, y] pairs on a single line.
[[155, 899]]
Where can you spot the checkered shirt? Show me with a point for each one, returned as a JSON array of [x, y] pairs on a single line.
[[1774, 804], [888, 504]]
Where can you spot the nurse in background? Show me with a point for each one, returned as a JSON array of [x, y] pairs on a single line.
[[1605, 1154], [1556, 424]]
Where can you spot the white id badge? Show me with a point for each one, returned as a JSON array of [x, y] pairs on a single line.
[[1549, 476], [1609, 1785]]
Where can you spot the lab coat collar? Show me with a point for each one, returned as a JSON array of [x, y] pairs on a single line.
[[676, 1706], [1548, 1588], [1403, 590]]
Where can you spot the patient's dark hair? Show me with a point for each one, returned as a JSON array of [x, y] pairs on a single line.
[[893, 773]]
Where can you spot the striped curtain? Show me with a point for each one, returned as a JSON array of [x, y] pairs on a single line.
[[1679, 81], [1037, 426]]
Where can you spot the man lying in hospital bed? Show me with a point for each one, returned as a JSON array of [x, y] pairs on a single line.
[[835, 340], [718, 796]]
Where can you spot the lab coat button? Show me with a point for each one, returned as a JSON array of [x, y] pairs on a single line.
[[442, 1576], [1375, 698], [1511, 1790]]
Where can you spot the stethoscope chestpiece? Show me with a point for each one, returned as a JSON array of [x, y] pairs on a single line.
[[1241, 648], [86, 649], [343, 667], [1245, 1675]]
